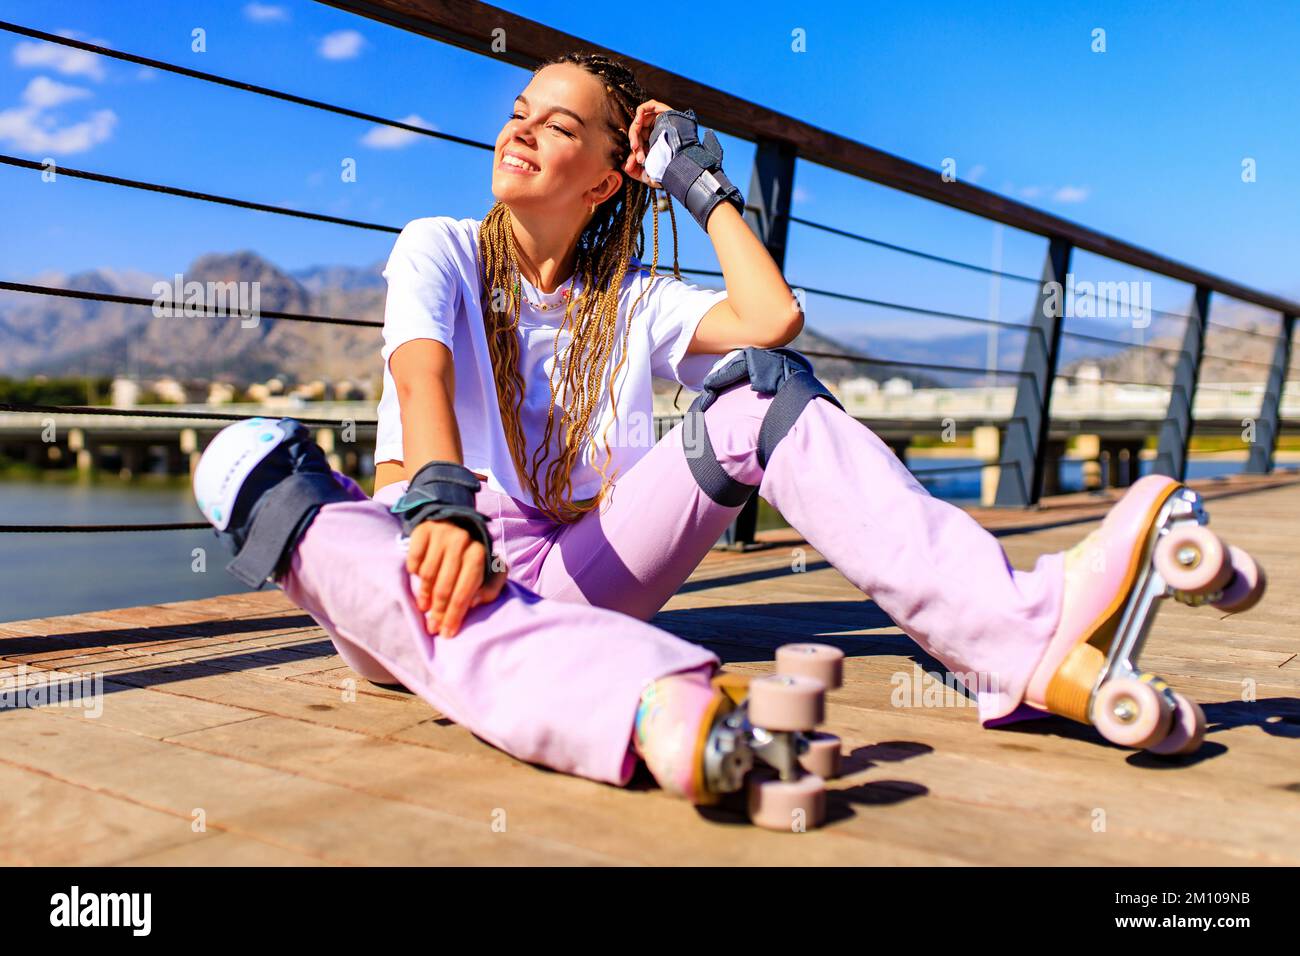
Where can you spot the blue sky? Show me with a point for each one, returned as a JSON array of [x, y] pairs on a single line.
[[1144, 141]]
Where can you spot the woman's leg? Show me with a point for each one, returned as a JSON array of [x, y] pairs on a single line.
[[549, 682], [943, 579]]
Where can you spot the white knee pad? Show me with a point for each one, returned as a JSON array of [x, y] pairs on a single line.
[[260, 483], [227, 461]]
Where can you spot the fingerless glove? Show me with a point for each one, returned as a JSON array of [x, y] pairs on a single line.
[[444, 491], [690, 170]]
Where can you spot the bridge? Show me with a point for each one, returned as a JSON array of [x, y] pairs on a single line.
[[1105, 421]]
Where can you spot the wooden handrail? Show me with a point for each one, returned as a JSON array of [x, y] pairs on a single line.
[[469, 24]]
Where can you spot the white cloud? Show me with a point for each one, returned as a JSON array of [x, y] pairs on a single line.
[[800, 195], [43, 93], [32, 131], [976, 171], [342, 45], [265, 13], [37, 54], [390, 137], [1062, 194], [1071, 194]]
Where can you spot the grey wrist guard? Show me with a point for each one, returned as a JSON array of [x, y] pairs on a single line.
[[694, 175], [444, 491]]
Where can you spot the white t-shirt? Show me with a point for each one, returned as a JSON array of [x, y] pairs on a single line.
[[433, 293]]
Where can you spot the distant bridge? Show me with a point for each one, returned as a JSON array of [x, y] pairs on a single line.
[[1109, 421]]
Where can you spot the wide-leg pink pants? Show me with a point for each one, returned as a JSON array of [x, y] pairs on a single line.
[[552, 671]]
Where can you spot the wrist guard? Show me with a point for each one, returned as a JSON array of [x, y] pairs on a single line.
[[690, 170], [444, 491]]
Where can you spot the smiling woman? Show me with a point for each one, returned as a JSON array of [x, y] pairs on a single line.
[[565, 210], [515, 344]]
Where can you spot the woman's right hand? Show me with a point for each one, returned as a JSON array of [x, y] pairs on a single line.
[[449, 562]]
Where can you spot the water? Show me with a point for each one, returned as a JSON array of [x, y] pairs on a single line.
[[963, 487], [49, 574]]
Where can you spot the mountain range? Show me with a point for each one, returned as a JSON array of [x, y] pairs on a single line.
[[59, 336]]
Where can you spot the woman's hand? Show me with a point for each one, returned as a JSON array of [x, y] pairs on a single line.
[[449, 562], [639, 136]]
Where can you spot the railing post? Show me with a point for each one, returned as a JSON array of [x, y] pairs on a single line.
[[1176, 430], [767, 212], [1262, 449], [1021, 483]]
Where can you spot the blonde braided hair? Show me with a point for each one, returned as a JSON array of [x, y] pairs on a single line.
[[604, 252]]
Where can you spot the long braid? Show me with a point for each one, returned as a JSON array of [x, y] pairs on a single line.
[[605, 249]]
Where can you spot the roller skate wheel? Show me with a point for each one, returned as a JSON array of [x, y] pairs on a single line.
[[1131, 713], [822, 756], [818, 661], [786, 703], [792, 806], [1192, 558], [1188, 730], [1246, 586]]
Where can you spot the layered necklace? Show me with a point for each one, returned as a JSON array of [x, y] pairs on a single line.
[[547, 306]]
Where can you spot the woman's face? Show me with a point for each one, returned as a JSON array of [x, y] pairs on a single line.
[[560, 129]]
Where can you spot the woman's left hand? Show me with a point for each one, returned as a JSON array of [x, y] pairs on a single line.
[[639, 136]]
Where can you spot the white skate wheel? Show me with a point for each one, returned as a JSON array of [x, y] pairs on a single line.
[[1246, 586], [792, 806], [1131, 713], [786, 703], [822, 757], [1188, 731], [1193, 559], [818, 661]]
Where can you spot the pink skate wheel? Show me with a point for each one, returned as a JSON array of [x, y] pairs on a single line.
[[786, 703], [1131, 713], [1192, 558], [793, 806], [818, 661], [1188, 731], [822, 756], [1247, 585]]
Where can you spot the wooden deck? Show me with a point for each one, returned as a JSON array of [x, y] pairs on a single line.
[[227, 736]]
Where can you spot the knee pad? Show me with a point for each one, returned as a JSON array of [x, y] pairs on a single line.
[[783, 372], [260, 483]]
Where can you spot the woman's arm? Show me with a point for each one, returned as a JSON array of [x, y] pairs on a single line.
[[448, 561], [426, 388], [759, 308]]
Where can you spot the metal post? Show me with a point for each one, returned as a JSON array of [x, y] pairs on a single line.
[[767, 212], [1176, 430], [1260, 461], [1021, 484]]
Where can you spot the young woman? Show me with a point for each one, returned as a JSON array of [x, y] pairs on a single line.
[[526, 524]]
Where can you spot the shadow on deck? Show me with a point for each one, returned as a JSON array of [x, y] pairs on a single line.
[[231, 733]]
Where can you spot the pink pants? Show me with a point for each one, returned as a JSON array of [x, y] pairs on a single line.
[[552, 671]]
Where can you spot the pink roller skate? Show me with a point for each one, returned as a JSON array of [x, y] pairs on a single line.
[[771, 721], [1153, 544]]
